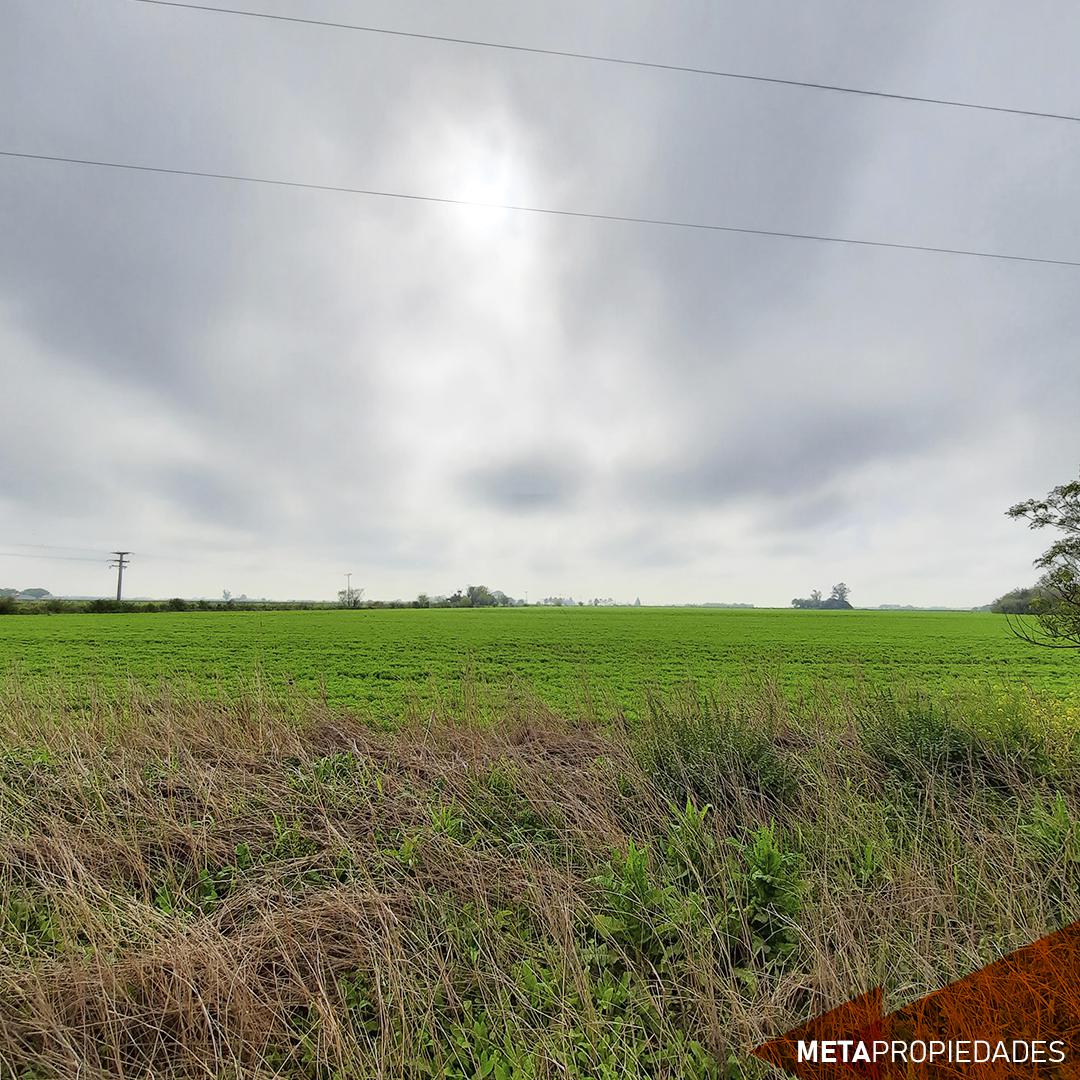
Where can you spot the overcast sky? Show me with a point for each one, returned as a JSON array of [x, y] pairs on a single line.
[[258, 388]]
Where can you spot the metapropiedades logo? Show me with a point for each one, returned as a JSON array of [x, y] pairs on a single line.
[[1020, 1016], [936, 1051]]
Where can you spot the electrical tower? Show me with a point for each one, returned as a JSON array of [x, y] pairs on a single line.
[[120, 562]]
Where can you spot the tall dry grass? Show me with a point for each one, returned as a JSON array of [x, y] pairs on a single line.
[[262, 887]]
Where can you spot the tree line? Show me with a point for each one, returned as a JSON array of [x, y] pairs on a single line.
[[837, 600], [477, 596], [54, 605]]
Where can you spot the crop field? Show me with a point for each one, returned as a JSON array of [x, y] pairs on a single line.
[[380, 661]]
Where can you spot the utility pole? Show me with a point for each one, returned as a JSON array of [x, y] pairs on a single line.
[[348, 589], [120, 562]]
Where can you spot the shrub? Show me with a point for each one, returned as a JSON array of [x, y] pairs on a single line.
[[104, 606]]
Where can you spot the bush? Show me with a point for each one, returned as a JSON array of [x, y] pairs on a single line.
[[103, 606]]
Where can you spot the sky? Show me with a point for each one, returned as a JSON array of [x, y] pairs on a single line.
[[258, 388]]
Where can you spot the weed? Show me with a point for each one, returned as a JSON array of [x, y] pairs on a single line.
[[768, 895], [446, 820], [28, 923], [637, 913]]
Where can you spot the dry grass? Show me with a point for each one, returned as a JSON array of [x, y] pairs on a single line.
[[266, 888]]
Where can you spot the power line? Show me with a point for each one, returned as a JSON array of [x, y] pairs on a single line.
[[61, 558], [59, 547], [543, 210], [620, 60]]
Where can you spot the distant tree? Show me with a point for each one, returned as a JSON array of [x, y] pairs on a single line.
[[837, 600], [480, 596], [351, 598], [423, 600], [637, 602], [226, 595], [1056, 608]]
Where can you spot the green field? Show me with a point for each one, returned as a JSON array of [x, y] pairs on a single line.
[[381, 660], [210, 880]]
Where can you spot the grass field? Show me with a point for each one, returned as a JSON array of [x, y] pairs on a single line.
[[610, 844], [382, 660]]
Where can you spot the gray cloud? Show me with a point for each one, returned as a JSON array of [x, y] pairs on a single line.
[[527, 485], [790, 454]]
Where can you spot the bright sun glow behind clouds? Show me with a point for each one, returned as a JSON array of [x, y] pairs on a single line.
[[486, 160]]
